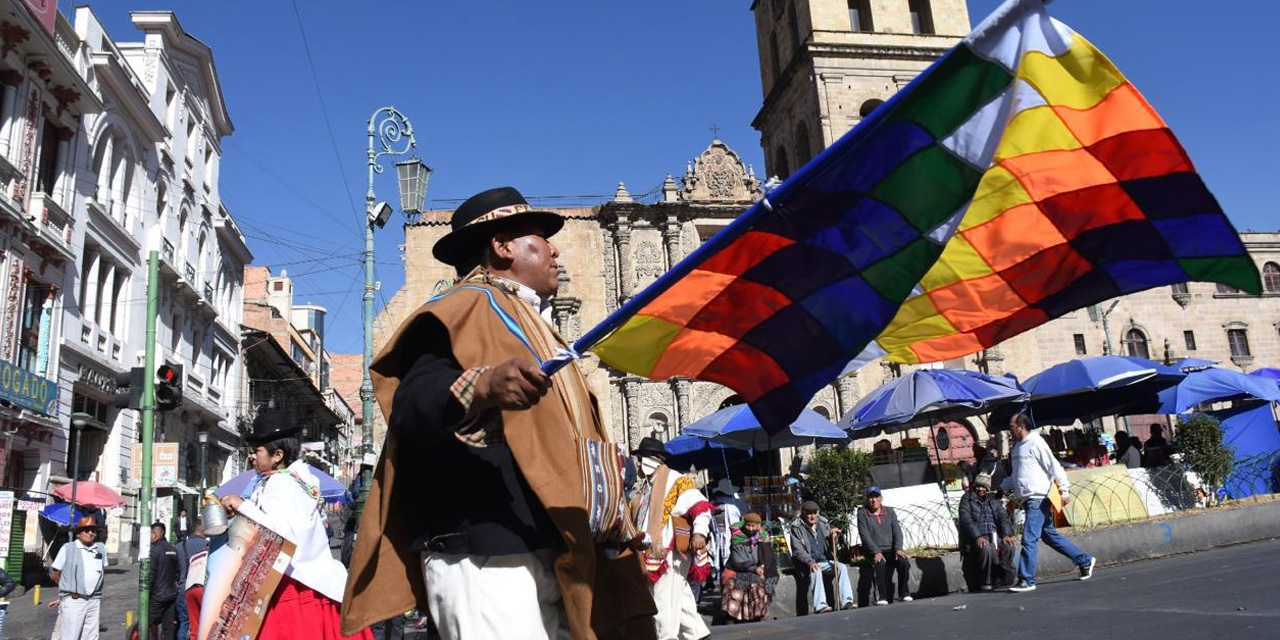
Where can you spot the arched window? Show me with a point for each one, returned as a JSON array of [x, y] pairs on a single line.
[[121, 183], [869, 106], [1271, 277], [1135, 343], [822, 411], [780, 167], [200, 257], [102, 168], [162, 201], [182, 232], [731, 401], [658, 425]]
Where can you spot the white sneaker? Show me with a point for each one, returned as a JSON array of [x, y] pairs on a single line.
[[1086, 571], [1022, 587], [881, 603], [985, 587], [907, 598]]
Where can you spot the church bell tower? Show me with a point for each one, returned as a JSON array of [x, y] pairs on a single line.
[[826, 64]]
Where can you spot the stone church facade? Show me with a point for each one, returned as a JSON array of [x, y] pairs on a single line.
[[607, 254]]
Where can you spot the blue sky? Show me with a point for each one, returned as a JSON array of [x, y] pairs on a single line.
[[567, 98]]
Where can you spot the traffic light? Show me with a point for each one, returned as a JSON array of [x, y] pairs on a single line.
[[168, 387], [129, 389]]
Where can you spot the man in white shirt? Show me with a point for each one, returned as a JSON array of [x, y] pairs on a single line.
[[78, 570], [1034, 470]]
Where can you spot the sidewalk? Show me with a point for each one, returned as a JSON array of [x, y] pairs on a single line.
[[27, 621]]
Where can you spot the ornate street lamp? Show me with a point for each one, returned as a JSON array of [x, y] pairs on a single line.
[[390, 134], [413, 176]]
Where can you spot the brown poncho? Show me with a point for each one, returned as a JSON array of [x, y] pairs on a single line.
[[603, 597]]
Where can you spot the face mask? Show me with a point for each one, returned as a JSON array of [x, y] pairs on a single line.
[[648, 466]]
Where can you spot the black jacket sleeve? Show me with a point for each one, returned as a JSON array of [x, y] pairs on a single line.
[[968, 519], [6, 584], [423, 409], [1004, 525]]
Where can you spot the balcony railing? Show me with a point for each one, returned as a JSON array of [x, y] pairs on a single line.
[[208, 293], [54, 222], [166, 251], [190, 272]]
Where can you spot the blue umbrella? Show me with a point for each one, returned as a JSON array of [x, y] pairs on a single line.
[[930, 395], [1270, 373], [1187, 365], [1215, 385], [1096, 373], [736, 426], [690, 451], [59, 513], [1088, 388], [331, 490]]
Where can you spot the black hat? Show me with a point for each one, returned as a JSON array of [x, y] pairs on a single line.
[[272, 424], [809, 506], [484, 214], [651, 447]]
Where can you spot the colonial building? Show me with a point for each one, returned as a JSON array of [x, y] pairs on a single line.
[[287, 367], [45, 98], [608, 253], [141, 175]]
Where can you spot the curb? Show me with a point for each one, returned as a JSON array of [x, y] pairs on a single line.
[[1219, 527]]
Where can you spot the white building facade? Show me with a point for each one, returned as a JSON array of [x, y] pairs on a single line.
[[146, 178]]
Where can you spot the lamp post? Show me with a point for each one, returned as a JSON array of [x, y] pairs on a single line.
[[203, 437], [390, 134], [78, 422]]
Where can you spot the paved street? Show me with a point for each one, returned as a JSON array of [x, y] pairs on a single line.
[[1225, 593]]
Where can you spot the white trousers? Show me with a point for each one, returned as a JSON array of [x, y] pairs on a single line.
[[78, 618], [515, 596], [677, 617]]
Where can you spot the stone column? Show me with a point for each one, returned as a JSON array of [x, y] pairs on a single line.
[[91, 279], [634, 421], [671, 237], [108, 304], [626, 265], [847, 393], [8, 108], [683, 411], [611, 277]]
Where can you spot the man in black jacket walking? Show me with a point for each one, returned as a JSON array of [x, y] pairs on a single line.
[[164, 583], [984, 528]]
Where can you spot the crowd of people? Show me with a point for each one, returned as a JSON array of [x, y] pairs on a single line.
[[500, 505]]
